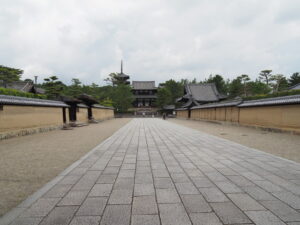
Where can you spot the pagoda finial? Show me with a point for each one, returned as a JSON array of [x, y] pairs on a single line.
[[121, 66]]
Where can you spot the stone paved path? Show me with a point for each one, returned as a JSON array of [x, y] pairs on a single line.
[[154, 172]]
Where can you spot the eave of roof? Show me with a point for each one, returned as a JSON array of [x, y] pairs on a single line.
[[143, 85], [292, 87], [219, 104], [206, 92], [69, 100], [101, 106], [87, 99], [285, 100], [187, 104], [14, 100], [169, 107], [123, 75], [181, 109]]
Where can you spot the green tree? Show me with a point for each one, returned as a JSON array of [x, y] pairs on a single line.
[[122, 97], [105, 92], [236, 87], [107, 102], [183, 82], [245, 80], [28, 80], [112, 79], [294, 79], [54, 88], [164, 97], [258, 88], [279, 82], [75, 89], [194, 81], [219, 82], [265, 75], [175, 90], [8, 75]]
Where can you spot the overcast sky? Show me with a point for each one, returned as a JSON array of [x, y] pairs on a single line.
[[157, 40]]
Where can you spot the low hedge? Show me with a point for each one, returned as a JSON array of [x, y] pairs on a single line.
[[273, 95], [13, 92]]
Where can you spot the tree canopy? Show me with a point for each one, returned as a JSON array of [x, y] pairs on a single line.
[[219, 82], [53, 87], [294, 79], [122, 97], [8, 74]]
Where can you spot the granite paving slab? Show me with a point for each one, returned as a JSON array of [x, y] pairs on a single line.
[[155, 172]]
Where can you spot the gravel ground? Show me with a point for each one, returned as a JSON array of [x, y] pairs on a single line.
[[281, 144], [29, 162]]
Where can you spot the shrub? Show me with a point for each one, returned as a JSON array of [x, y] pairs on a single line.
[[13, 92], [273, 95]]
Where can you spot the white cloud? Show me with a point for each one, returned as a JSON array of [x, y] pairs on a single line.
[[158, 39]]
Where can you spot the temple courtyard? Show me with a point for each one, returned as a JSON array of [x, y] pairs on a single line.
[[152, 171]]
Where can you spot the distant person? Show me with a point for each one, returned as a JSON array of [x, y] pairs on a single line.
[[164, 116]]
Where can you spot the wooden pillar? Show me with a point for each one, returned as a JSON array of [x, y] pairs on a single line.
[[72, 113], [90, 113], [64, 115]]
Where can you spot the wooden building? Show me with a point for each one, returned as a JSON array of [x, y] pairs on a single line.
[[198, 94], [144, 93]]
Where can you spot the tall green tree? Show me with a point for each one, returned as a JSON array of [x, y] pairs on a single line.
[[75, 89], [175, 89], [219, 82], [8, 75], [294, 79], [245, 80], [265, 75], [278, 82], [164, 97], [122, 97], [54, 88], [112, 79], [236, 87], [169, 92], [258, 88]]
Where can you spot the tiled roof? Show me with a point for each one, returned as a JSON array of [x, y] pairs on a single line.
[[143, 85], [169, 107], [20, 86], [40, 90], [295, 87], [123, 75], [87, 99], [14, 100], [285, 100], [69, 100], [181, 109], [203, 92], [102, 106], [219, 104], [190, 103]]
